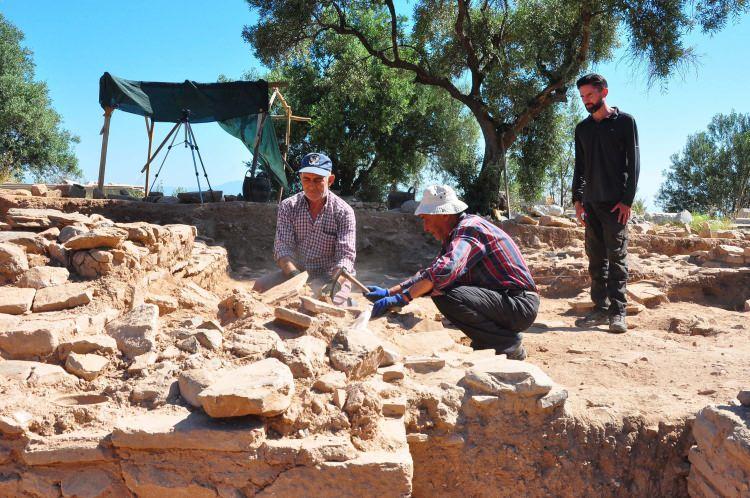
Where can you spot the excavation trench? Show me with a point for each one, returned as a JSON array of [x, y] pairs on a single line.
[[469, 424]]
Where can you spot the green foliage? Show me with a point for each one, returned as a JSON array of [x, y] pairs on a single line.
[[378, 126], [712, 173], [31, 139], [506, 62], [701, 219], [178, 190], [639, 206]]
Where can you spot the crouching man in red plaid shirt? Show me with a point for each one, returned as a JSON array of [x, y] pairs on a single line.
[[315, 232], [479, 281]]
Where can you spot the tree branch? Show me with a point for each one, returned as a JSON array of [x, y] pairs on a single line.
[[421, 74], [555, 90], [471, 56], [394, 29]]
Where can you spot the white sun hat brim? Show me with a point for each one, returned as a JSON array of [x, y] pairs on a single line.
[[440, 199]]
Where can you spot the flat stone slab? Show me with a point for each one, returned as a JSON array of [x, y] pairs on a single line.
[[262, 388], [16, 300], [292, 317], [72, 448], [285, 290], [44, 276], [61, 297], [424, 364], [109, 237], [33, 371], [86, 366], [647, 294], [425, 343], [179, 429], [315, 306], [98, 343], [31, 338], [498, 376]]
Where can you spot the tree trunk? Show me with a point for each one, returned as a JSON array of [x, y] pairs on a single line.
[[487, 192]]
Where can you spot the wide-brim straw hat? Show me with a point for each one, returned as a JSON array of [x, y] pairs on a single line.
[[440, 199]]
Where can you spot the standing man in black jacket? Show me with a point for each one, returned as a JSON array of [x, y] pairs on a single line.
[[604, 183]]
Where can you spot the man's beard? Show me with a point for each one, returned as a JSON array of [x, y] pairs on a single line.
[[595, 107]]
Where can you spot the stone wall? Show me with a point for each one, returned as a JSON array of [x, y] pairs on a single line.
[[720, 459]]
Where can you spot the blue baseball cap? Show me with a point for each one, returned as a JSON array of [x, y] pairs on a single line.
[[318, 164]]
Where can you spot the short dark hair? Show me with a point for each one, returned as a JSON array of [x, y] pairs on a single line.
[[593, 79]]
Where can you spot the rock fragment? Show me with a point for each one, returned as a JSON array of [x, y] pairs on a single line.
[[13, 261], [86, 366], [135, 332], [262, 388], [15, 300], [357, 353], [61, 297], [40, 277]]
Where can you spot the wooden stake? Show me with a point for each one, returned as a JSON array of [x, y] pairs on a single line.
[[99, 192]]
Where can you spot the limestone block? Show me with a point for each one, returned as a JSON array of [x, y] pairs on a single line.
[[647, 294], [256, 344], [285, 290], [70, 231], [13, 261], [30, 241], [292, 317], [303, 355], [357, 353], [15, 300], [166, 304], [43, 218], [424, 364], [135, 332], [110, 237], [44, 276], [142, 362], [525, 219], [210, 339], [325, 448], [61, 297], [556, 221], [498, 376], [100, 343], [34, 372], [179, 429], [315, 306], [193, 381], [392, 373], [86, 366], [39, 189], [34, 338], [331, 381], [394, 407], [156, 387], [262, 388], [92, 482]]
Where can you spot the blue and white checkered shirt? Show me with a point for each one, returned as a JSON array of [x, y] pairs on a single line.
[[319, 246]]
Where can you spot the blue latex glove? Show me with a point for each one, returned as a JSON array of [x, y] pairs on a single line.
[[386, 303], [376, 293]]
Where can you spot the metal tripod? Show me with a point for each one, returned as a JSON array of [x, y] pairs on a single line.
[[190, 142]]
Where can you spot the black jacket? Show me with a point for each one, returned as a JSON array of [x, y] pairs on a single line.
[[607, 159]]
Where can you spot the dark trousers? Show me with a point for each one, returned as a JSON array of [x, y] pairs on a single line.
[[607, 248], [490, 318]]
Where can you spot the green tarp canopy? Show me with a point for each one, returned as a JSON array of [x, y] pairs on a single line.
[[235, 105]]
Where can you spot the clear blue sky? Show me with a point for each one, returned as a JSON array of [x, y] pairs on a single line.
[[74, 42]]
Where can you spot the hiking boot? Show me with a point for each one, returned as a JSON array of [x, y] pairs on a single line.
[[597, 316], [617, 324], [518, 353]]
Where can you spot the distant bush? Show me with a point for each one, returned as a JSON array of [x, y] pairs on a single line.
[[713, 222]]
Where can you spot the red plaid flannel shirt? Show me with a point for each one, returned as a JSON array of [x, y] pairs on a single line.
[[318, 246]]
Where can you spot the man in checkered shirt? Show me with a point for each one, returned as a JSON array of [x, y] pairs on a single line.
[[315, 229]]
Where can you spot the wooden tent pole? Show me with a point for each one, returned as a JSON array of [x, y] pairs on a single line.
[[99, 192], [158, 149], [150, 131]]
